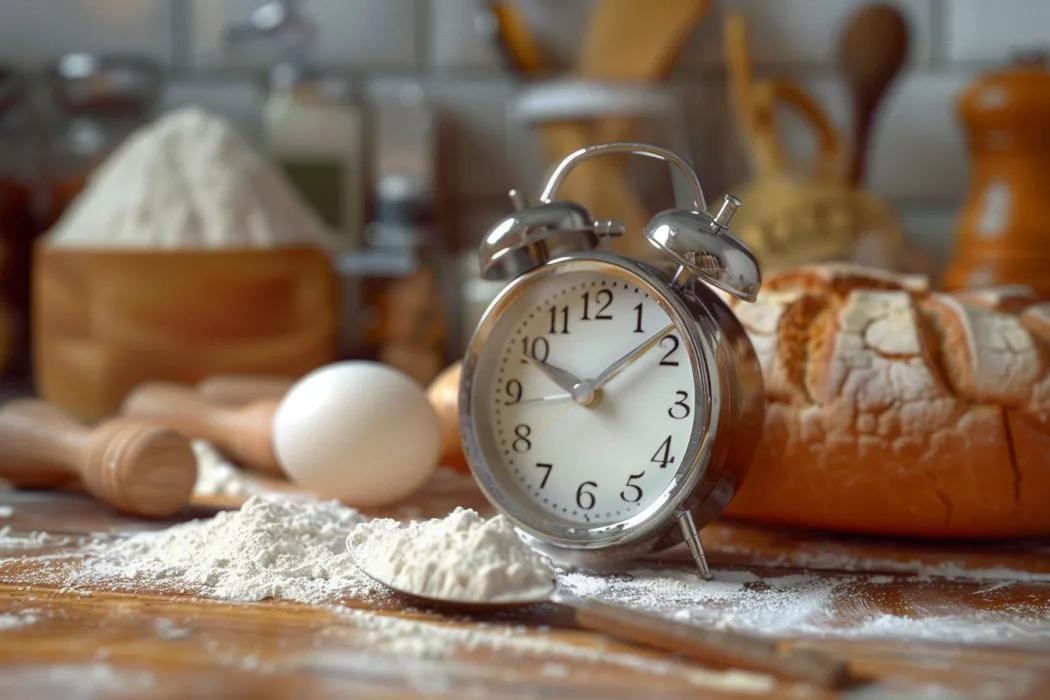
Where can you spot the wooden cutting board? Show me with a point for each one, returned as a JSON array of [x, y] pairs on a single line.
[[154, 644]]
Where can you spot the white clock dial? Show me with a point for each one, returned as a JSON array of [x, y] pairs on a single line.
[[612, 451]]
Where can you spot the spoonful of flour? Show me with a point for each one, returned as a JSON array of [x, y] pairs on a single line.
[[461, 557]]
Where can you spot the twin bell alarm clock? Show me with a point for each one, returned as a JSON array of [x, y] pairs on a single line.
[[610, 407]]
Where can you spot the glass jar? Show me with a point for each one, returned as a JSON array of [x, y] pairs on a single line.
[[96, 102], [17, 228]]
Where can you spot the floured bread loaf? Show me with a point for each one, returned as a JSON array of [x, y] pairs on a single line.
[[895, 410]]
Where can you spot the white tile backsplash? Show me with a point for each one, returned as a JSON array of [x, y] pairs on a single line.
[[358, 34], [919, 157], [34, 32], [919, 147], [977, 30]]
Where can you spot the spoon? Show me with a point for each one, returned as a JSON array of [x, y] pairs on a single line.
[[720, 648], [872, 51]]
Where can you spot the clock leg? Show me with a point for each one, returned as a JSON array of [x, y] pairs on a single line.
[[692, 539]]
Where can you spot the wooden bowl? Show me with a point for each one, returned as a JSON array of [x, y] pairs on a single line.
[[104, 321]]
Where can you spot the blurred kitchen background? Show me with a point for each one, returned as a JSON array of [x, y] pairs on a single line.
[[444, 102]]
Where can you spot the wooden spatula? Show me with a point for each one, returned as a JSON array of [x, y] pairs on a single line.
[[872, 52], [630, 41], [136, 467]]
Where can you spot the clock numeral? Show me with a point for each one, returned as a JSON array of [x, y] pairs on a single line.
[[638, 324], [680, 403], [513, 390], [588, 495], [601, 315], [663, 454], [548, 467], [636, 487], [538, 350], [521, 442], [666, 360], [564, 311]]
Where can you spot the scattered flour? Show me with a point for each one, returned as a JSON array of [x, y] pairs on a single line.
[[188, 180], [217, 476], [6, 511], [803, 605], [426, 640], [460, 557], [14, 620], [267, 549]]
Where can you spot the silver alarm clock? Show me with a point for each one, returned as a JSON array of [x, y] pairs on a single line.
[[609, 408]]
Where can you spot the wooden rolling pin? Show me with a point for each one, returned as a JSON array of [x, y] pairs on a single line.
[[137, 467], [239, 389], [242, 433]]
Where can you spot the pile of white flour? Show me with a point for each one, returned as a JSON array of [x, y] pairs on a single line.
[[188, 180], [268, 549], [460, 557]]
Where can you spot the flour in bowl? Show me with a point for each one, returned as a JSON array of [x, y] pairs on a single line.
[[461, 557], [188, 180]]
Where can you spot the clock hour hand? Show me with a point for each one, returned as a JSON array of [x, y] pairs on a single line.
[[557, 375], [621, 364]]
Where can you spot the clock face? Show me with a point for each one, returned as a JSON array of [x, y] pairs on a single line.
[[584, 399]]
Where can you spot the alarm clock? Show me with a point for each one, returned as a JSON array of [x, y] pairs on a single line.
[[610, 407]]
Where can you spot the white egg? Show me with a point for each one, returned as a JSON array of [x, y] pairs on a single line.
[[361, 432]]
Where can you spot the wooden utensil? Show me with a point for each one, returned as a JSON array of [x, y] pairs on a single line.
[[795, 217], [628, 41], [718, 648], [241, 432], [240, 389], [137, 467], [872, 52]]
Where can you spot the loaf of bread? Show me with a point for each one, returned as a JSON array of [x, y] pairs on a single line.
[[896, 410]]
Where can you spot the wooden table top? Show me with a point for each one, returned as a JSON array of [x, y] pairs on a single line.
[[66, 644]]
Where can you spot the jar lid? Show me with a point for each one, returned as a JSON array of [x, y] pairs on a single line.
[[108, 86]]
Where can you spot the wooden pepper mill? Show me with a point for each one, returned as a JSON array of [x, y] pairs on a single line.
[[1004, 227], [136, 467]]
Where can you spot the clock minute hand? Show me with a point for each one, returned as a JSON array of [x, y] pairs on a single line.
[[563, 379], [621, 364]]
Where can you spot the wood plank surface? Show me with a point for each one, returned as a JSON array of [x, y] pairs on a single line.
[[153, 643]]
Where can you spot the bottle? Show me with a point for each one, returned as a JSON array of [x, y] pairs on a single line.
[[1002, 236], [311, 127]]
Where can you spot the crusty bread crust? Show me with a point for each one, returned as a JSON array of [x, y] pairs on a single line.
[[895, 410]]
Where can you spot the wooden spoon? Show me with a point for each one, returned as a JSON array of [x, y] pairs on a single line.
[[243, 433], [872, 51], [136, 467]]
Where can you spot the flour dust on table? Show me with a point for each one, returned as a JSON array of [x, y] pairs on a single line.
[[280, 549], [461, 557]]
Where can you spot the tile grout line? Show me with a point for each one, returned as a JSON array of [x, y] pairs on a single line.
[[181, 33]]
